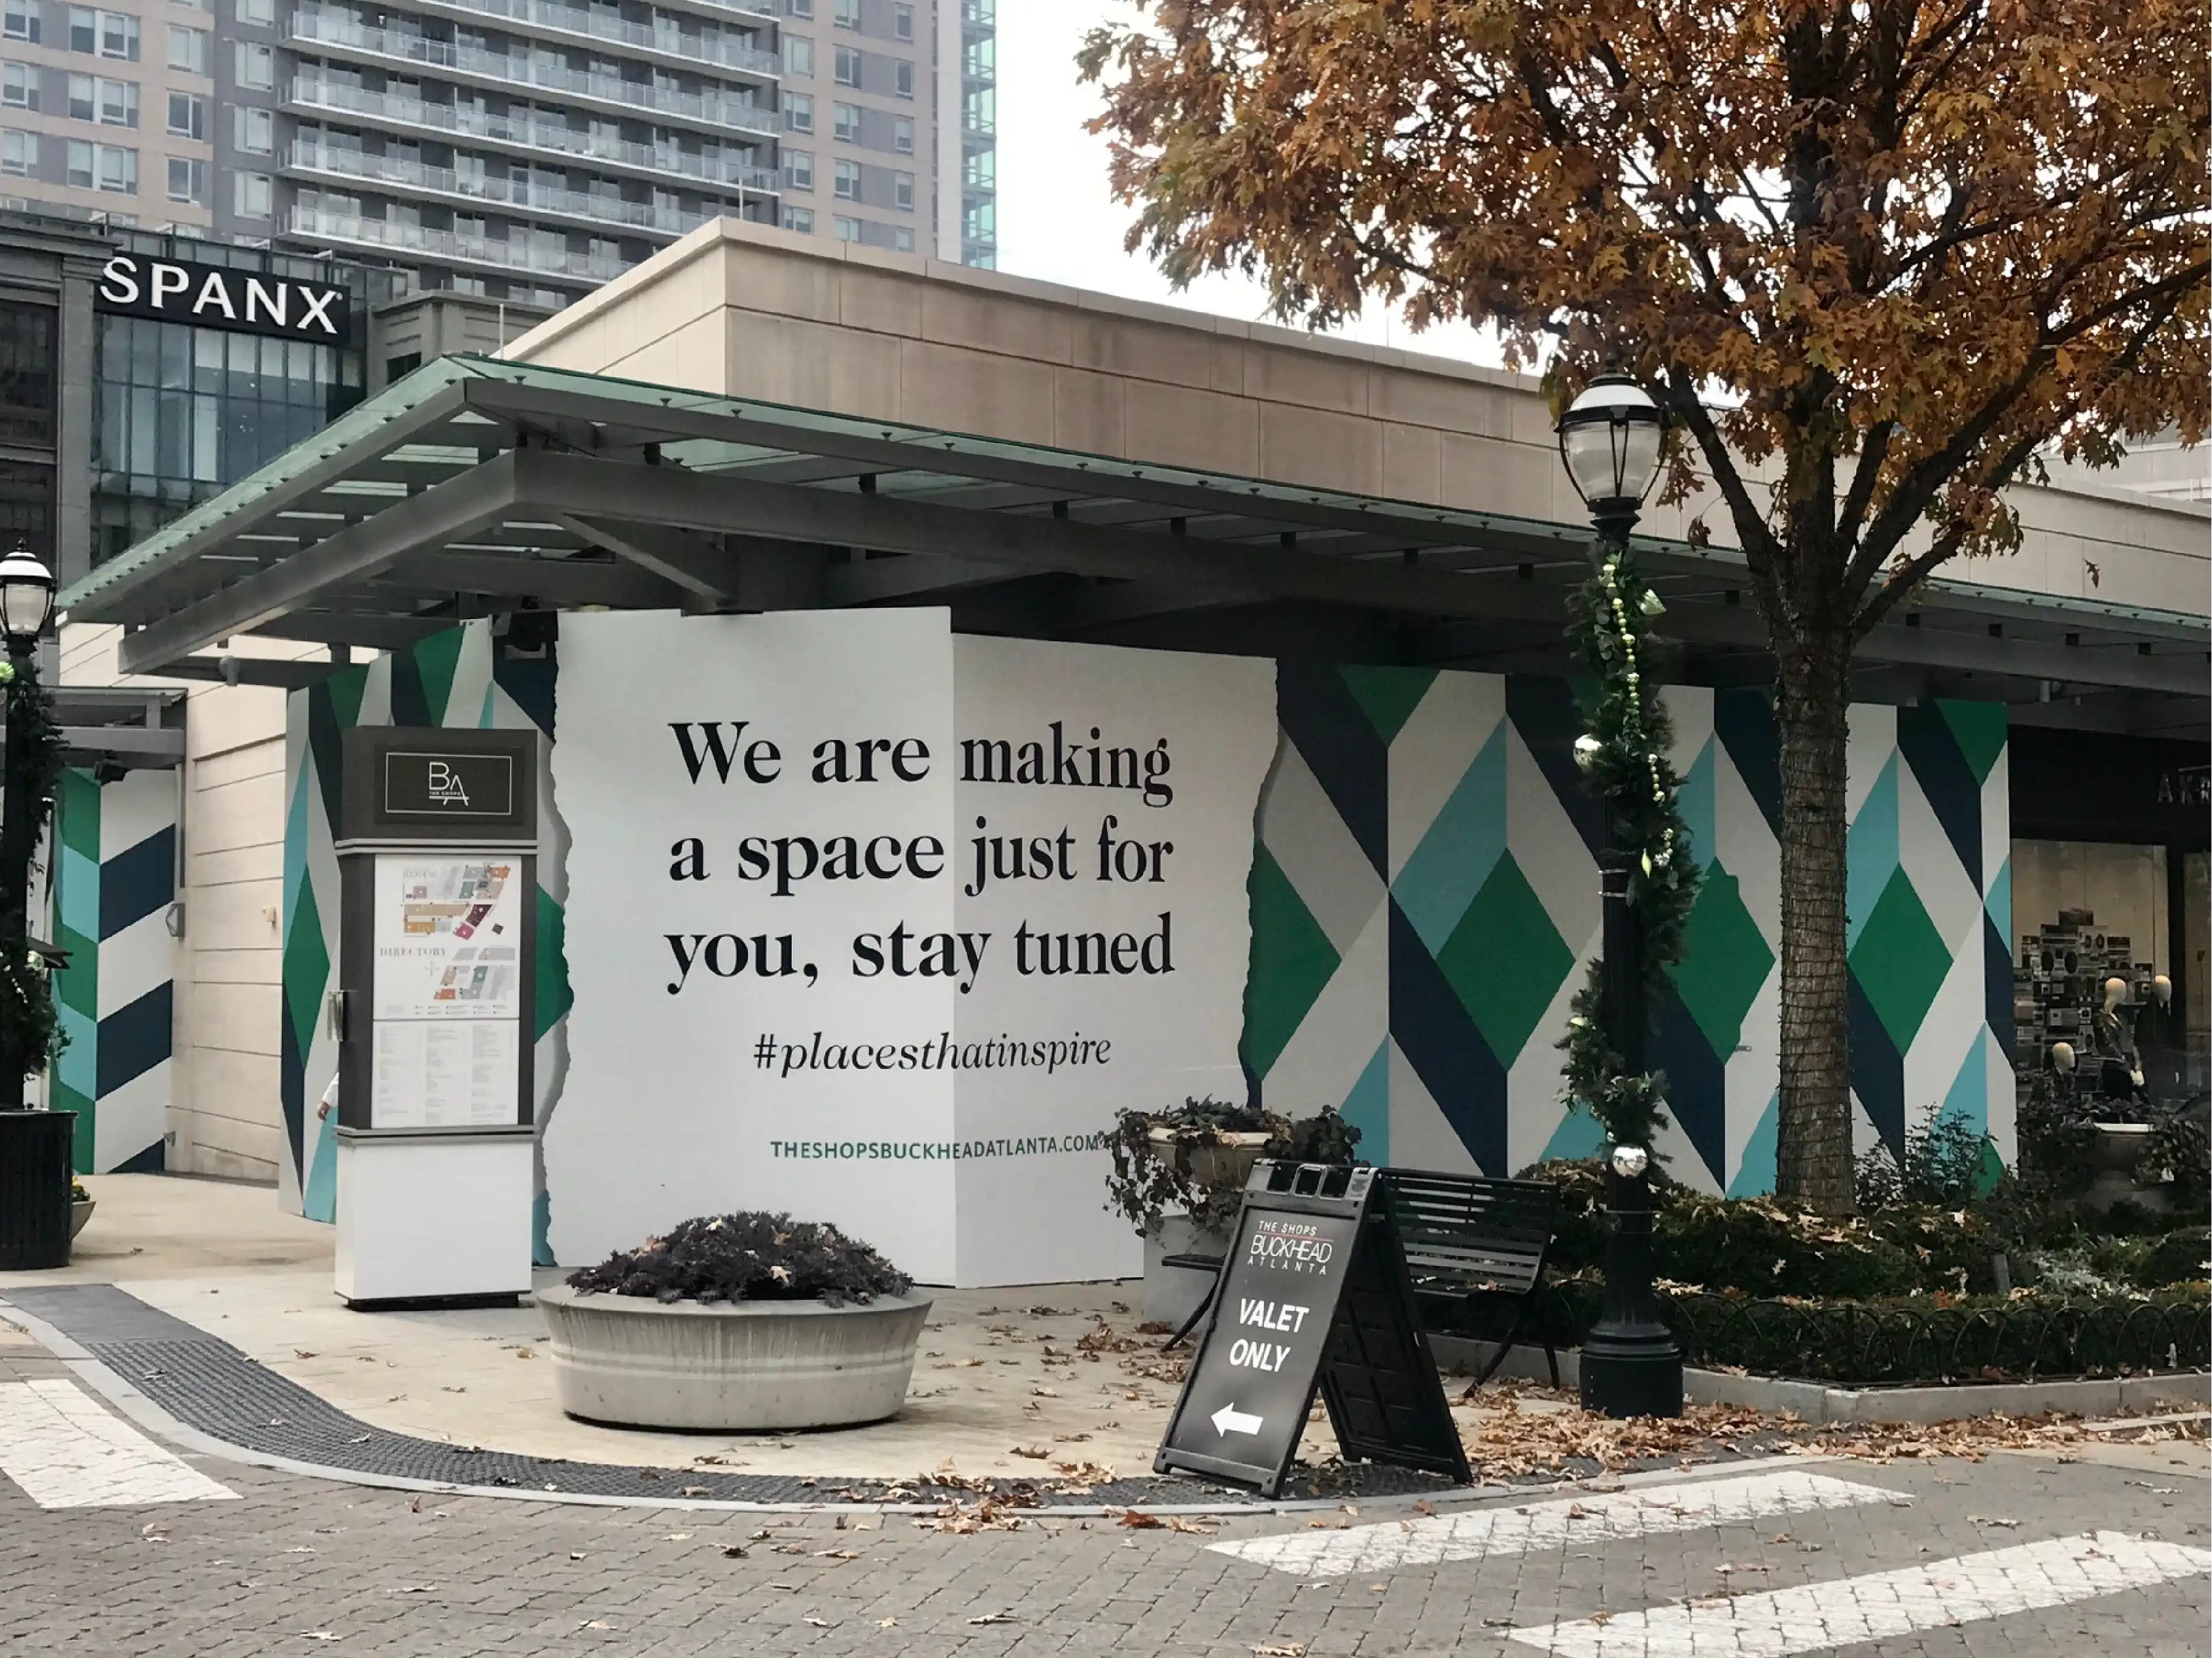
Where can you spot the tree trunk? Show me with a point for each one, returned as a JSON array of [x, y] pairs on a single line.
[[1812, 1160]]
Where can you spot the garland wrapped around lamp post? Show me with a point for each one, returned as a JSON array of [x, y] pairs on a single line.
[[35, 1146], [1610, 440], [32, 769]]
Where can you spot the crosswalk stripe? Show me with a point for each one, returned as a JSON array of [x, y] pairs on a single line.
[[64, 1448], [1689, 1506], [1881, 1605]]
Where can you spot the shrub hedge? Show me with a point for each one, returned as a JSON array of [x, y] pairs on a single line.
[[1905, 1339]]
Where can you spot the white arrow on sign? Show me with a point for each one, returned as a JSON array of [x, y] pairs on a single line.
[[1230, 1420]]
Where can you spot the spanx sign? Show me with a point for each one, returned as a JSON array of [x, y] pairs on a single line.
[[209, 296]]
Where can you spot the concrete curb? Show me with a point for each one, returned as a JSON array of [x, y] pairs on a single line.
[[152, 1418], [1820, 1403]]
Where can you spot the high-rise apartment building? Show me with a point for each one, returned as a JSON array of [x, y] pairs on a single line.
[[521, 150], [108, 110]]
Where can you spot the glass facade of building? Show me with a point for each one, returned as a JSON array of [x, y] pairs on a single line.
[[28, 377], [183, 412]]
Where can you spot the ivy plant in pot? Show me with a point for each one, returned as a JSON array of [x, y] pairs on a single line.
[[736, 1322], [1179, 1174]]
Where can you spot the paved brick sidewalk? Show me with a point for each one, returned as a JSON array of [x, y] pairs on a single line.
[[296, 1566]]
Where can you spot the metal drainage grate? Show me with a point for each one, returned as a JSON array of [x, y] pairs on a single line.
[[207, 1384]]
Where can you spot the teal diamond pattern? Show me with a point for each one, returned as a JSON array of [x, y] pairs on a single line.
[[1900, 961]]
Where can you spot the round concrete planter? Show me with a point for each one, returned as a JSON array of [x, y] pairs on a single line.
[[80, 1213], [747, 1365], [2115, 1152]]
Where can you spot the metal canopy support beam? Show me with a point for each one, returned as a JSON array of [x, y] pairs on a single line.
[[511, 399], [342, 627], [349, 558], [557, 583], [689, 561], [161, 745], [791, 512]]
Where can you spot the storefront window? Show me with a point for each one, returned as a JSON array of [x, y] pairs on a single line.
[[27, 375], [184, 412]]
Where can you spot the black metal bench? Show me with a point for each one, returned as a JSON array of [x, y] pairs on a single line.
[[1468, 1240]]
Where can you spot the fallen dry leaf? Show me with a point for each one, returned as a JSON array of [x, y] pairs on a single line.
[[821, 1623], [1034, 1452], [735, 1551], [1279, 1649], [2005, 1520], [696, 1490], [1138, 1520], [996, 1617]]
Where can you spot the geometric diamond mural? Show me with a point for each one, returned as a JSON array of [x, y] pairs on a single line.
[[1425, 902]]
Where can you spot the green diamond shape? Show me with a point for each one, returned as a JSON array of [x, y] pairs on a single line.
[[1505, 960], [306, 968], [1900, 961], [1725, 961], [1293, 962]]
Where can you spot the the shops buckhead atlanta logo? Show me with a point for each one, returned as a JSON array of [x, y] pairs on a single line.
[[1285, 1246]]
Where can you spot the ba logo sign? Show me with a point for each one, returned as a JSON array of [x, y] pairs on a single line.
[[444, 785], [421, 785], [209, 296]]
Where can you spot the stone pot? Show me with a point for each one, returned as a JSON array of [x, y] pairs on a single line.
[[733, 1366], [1227, 1160], [80, 1213], [1172, 1293], [2114, 1151]]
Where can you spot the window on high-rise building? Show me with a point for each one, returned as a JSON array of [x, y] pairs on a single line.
[[103, 167], [798, 8], [253, 195], [903, 191], [798, 55], [847, 123], [257, 66], [847, 229], [902, 134], [19, 152], [20, 21], [848, 66], [903, 239], [19, 85], [797, 169], [95, 98], [902, 22], [800, 219], [847, 14], [263, 12], [187, 180], [902, 78], [253, 130], [798, 112], [188, 49], [187, 115], [103, 33], [848, 187]]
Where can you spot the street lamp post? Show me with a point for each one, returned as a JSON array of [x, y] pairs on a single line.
[[26, 602], [35, 1145], [1609, 440]]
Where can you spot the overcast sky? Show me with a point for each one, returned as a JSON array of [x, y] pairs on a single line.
[[1056, 219]]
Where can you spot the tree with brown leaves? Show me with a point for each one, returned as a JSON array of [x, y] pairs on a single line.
[[1876, 257]]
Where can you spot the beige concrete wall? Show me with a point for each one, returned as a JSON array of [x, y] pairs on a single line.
[[745, 310], [225, 1108]]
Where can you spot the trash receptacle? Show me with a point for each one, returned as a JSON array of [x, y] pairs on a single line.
[[34, 1188]]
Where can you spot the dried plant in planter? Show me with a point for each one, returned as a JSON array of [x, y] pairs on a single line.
[[747, 1257], [1155, 1170]]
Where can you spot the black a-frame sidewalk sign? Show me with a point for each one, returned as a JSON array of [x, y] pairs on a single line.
[[1313, 1295]]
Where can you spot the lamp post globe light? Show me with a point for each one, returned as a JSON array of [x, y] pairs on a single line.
[[26, 599], [1610, 442], [35, 1145]]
